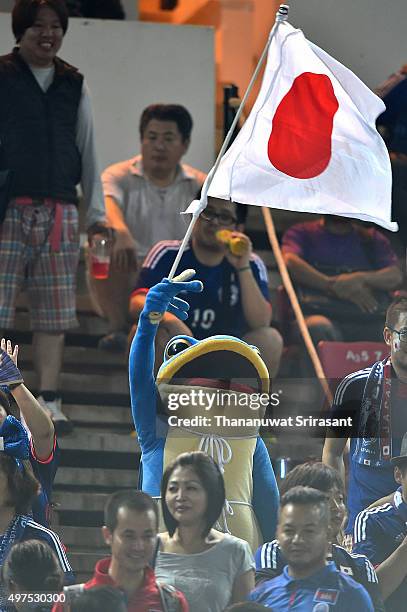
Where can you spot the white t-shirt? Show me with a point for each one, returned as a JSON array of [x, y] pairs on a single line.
[[151, 213]]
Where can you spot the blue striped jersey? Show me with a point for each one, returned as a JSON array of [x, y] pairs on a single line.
[[270, 563], [218, 309], [377, 533]]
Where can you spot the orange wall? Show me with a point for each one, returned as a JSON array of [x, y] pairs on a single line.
[[241, 30]]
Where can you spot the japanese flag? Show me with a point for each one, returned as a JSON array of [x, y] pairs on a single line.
[[310, 142]]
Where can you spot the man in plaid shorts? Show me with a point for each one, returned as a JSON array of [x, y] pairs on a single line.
[[46, 141]]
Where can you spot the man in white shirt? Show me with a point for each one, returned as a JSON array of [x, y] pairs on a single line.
[[144, 197]]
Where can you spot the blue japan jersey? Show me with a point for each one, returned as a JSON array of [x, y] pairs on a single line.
[[35, 531], [367, 484], [377, 534], [218, 309], [328, 590]]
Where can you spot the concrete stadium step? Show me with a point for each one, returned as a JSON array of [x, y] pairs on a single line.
[[83, 300], [296, 449], [74, 538], [99, 459], [99, 415], [77, 395], [90, 440], [298, 392], [94, 477], [83, 562], [89, 322], [72, 338], [80, 501], [77, 358], [116, 383]]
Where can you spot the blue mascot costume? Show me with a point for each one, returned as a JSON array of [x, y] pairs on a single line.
[[223, 377]]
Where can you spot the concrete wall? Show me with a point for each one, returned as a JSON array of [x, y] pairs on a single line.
[[130, 7], [368, 36], [129, 65]]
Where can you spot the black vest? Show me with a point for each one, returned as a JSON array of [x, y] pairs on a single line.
[[38, 130]]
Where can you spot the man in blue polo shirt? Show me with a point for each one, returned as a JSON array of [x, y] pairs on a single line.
[[235, 299], [269, 558], [380, 533], [375, 400], [308, 581]]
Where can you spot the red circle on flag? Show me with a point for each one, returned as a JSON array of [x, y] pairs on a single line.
[[300, 143]]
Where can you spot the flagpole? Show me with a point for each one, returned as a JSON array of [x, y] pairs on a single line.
[[285, 277], [281, 15]]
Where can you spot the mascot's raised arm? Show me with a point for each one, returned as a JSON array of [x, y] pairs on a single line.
[[206, 397]]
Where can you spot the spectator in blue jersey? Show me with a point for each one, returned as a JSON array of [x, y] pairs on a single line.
[[309, 581], [269, 558], [235, 299], [380, 533], [375, 400], [18, 488], [44, 452]]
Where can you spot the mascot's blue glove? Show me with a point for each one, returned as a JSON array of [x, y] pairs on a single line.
[[162, 297]]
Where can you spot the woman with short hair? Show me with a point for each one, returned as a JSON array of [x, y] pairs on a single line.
[[211, 568]]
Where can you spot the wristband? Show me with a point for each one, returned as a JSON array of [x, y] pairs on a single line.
[[243, 269]]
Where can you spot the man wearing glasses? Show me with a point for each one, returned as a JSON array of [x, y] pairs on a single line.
[[235, 299], [376, 400]]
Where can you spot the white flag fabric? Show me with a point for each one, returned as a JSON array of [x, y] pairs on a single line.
[[310, 143]]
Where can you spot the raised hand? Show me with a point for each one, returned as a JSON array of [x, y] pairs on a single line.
[[162, 297], [245, 246], [6, 346], [9, 373]]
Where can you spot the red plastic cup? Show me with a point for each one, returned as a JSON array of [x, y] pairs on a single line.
[[100, 269], [100, 258]]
